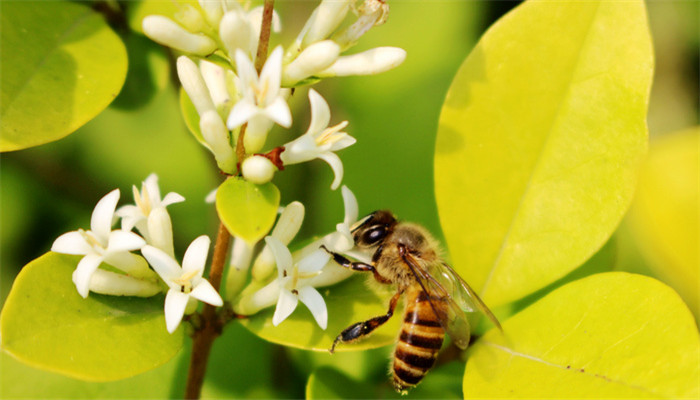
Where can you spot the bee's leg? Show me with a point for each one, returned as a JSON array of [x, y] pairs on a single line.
[[359, 330], [355, 265]]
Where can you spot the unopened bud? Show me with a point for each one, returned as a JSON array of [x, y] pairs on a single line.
[[160, 230], [215, 78], [168, 33], [191, 19], [212, 10], [258, 169], [368, 62], [236, 32], [194, 85], [217, 137], [371, 13], [324, 20], [111, 283], [314, 59]]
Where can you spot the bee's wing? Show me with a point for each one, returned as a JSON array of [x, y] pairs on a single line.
[[455, 322], [461, 292]]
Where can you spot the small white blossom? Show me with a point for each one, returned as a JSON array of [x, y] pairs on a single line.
[[149, 214], [291, 280], [185, 282], [370, 13], [323, 21], [258, 169], [168, 33], [319, 141], [102, 244], [263, 100], [370, 62]]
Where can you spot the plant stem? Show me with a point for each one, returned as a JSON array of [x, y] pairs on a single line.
[[212, 325]]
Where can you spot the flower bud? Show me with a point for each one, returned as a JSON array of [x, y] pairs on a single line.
[[212, 11], [166, 32], [217, 137], [131, 264], [191, 19], [311, 61], [324, 20], [194, 85], [236, 32], [370, 62], [258, 169], [215, 78], [160, 230], [256, 134], [286, 228], [111, 283], [241, 255]]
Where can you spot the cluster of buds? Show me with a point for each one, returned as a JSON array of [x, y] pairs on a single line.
[[110, 266], [232, 98]]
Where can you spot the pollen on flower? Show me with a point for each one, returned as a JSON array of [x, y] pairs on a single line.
[[329, 135], [185, 281], [143, 199], [91, 239]]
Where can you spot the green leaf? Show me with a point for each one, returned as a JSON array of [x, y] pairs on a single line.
[[664, 216], [539, 141], [46, 324], [61, 66], [347, 302], [246, 209], [606, 336], [442, 382]]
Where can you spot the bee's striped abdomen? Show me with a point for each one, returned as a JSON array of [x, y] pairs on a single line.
[[420, 339]]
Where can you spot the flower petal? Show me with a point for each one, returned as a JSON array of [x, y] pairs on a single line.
[[350, 204], [344, 141], [160, 230], [242, 111], [165, 266], [283, 257], [72, 243], [286, 304], [246, 73], [175, 304], [336, 165], [111, 283], [289, 222], [205, 292], [314, 261], [300, 150], [130, 215], [120, 240], [101, 222], [320, 113], [82, 274], [151, 185], [272, 72], [171, 198], [278, 111], [314, 301], [196, 255]]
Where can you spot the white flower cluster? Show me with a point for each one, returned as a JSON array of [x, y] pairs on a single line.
[[109, 267], [220, 38], [298, 273]]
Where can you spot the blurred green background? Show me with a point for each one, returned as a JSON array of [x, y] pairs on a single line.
[[51, 189]]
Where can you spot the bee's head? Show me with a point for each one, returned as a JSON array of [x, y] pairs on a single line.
[[371, 230]]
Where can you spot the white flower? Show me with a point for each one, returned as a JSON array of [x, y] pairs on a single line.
[[319, 141], [370, 13], [185, 282], [291, 280], [263, 100], [323, 21], [168, 33], [102, 244], [149, 215]]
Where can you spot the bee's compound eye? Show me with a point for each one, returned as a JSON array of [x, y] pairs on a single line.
[[374, 234]]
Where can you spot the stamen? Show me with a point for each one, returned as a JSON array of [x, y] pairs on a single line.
[[145, 200], [330, 135]]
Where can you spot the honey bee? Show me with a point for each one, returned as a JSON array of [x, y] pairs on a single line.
[[437, 298]]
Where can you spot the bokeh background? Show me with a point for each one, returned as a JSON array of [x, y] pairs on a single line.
[[51, 189]]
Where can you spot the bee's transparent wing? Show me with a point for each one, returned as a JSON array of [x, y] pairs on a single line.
[[455, 322]]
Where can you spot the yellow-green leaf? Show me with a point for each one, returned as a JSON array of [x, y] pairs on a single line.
[[347, 302], [46, 324], [539, 141], [610, 335], [246, 209], [665, 215], [61, 66]]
